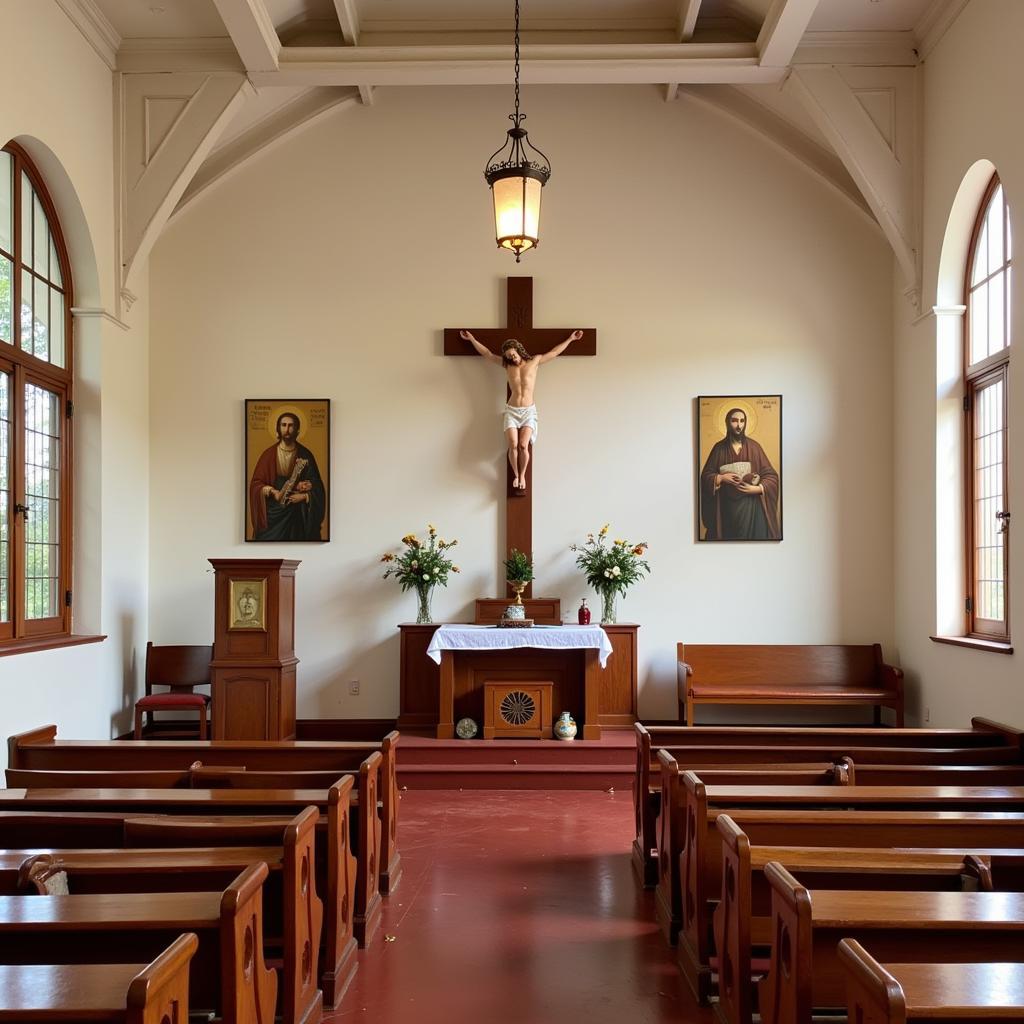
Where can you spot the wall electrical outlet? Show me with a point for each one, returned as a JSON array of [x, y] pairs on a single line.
[[927, 714], [353, 687]]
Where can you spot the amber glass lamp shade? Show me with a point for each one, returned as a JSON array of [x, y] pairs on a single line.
[[516, 198]]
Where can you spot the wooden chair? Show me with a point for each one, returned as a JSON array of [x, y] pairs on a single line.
[[181, 669]]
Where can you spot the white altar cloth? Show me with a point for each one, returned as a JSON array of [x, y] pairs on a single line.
[[495, 638]]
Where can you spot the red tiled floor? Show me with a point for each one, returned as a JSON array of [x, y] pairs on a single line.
[[518, 908]]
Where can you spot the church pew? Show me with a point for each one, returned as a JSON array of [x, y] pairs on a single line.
[[827, 745], [228, 971], [701, 866], [741, 918], [953, 993], [292, 911], [40, 749], [344, 834], [101, 993], [686, 799], [913, 927]]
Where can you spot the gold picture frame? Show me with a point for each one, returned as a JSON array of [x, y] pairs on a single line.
[[247, 604]]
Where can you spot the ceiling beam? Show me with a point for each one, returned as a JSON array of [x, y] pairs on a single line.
[[625, 64], [782, 31], [688, 11], [252, 31], [348, 19]]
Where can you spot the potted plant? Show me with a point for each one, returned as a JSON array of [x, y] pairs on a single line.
[[518, 572], [421, 567], [611, 567]]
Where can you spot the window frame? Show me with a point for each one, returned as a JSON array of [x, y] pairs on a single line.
[[976, 377], [25, 368]]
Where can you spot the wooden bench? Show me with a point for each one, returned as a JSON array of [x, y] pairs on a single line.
[[228, 972], [842, 675], [107, 993], [704, 747], [699, 876], [292, 911], [347, 844], [807, 925], [901, 992], [686, 799], [741, 919], [40, 749]]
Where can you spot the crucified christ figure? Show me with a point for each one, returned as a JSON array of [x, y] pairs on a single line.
[[520, 418]]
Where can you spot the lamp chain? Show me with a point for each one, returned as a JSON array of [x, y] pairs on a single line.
[[517, 65]]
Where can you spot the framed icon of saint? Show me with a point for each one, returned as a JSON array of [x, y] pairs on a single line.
[[287, 470]]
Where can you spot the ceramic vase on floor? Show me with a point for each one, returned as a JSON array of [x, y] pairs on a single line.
[[565, 727]]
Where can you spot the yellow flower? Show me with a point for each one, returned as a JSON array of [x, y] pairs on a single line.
[[388, 557], [604, 530], [619, 542], [638, 550], [433, 529]]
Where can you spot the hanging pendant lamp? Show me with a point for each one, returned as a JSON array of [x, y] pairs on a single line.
[[516, 178]]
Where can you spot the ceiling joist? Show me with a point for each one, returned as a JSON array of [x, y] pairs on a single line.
[[252, 31], [633, 64], [782, 31], [688, 11], [348, 19]]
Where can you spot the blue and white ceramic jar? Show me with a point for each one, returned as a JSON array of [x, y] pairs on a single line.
[[565, 727]]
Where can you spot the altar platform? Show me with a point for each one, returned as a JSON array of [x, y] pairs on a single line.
[[428, 763]]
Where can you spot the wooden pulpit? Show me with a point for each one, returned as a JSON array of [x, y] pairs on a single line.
[[253, 667]]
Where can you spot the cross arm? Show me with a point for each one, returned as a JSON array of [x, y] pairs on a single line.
[[536, 339]]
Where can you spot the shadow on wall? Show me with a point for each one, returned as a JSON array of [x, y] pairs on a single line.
[[122, 720]]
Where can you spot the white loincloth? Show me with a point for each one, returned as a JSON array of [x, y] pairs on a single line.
[[519, 416]]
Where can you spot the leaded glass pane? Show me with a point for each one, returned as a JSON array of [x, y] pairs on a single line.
[[55, 274], [27, 290], [40, 239], [6, 300], [27, 198], [989, 455], [5, 497], [41, 320], [42, 496], [56, 327], [6, 203]]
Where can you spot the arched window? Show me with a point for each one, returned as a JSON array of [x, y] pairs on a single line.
[[35, 408], [986, 362]]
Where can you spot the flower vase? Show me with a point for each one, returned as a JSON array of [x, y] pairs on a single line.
[[423, 613], [608, 607]]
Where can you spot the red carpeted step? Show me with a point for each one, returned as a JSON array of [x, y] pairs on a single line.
[[505, 776]]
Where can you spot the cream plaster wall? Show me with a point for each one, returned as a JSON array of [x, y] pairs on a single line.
[[66, 121], [972, 87], [709, 264]]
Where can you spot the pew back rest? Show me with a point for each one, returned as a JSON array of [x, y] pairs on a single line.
[[782, 666]]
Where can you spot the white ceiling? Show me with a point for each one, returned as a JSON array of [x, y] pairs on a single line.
[[186, 18]]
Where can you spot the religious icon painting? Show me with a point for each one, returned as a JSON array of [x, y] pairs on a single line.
[[247, 603], [739, 452], [287, 469]]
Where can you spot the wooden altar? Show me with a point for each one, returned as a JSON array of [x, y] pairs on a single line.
[[435, 697]]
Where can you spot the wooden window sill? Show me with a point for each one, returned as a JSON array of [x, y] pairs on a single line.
[[995, 646], [45, 643]]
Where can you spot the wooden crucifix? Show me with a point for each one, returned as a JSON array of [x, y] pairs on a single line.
[[536, 340]]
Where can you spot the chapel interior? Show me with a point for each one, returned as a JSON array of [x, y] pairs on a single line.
[[669, 676]]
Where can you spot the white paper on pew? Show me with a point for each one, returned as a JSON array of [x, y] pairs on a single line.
[[494, 638]]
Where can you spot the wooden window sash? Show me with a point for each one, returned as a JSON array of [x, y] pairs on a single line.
[[26, 368]]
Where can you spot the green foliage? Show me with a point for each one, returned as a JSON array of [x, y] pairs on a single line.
[[518, 567], [421, 566], [611, 567]]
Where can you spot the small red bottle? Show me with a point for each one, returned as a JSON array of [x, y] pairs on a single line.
[[584, 614]]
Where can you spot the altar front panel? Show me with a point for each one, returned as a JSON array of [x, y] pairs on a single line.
[[420, 678]]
